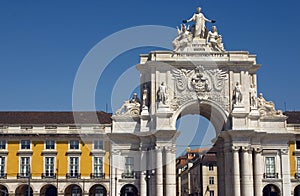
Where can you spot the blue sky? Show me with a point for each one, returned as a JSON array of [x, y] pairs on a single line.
[[42, 44]]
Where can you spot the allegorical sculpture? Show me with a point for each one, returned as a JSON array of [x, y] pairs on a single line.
[[237, 94], [215, 40], [162, 94], [266, 108], [145, 97], [183, 39], [252, 95], [198, 38], [199, 30], [130, 107], [200, 82]]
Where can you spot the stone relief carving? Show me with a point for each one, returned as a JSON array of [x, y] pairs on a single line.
[[183, 38], [199, 84], [267, 108], [130, 107]]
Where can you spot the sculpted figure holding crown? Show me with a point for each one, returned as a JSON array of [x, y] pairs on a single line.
[[199, 27]]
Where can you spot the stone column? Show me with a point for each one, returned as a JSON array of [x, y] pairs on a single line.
[[258, 171], [236, 170], [228, 171], [247, 172], [221, 169], [286, 179], [114, 172], [142, 169], [159, 171], [170, 171]]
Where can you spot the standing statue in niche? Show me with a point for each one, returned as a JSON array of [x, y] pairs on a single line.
[[199, 29], [184, 37], [162, 94], [145, 96], [215, 40], [237, 94], [252, 95]]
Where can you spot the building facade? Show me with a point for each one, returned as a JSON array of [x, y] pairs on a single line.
[[47, 153]]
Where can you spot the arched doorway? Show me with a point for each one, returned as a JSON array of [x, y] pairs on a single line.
[[271, 190], [48, 190], [3, 190], [22, 190], [73, 190], [129, 190], [98, 190], [297, 191]]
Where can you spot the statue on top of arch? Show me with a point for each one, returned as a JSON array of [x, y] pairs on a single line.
[[198, 34]]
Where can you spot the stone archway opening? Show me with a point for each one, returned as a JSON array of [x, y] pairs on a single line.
[[22, 190], [98, 190], [73, 190], [129, 190], [297, 191], [271, 190], [48, 190], [3, 190]]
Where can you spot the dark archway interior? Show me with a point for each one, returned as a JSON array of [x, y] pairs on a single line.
[[48, 190], [271, 190], [129, 190]]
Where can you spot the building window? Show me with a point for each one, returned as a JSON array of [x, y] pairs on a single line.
[[74, 144], [129, 173], [50, 145], [211, 167], [25, 166], [25, 144], [297, 175], [298, 144], [2, 144], [49, 167], [76, 191], [2, 167], [98, 167], [270, 167], [211, 193], [211, 180], [98, 145], [74, 167]]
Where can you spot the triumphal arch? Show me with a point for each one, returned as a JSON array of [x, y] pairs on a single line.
[[198, 77]]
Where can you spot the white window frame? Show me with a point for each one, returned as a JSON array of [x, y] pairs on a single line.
[[211, 180], [3, 166], [69, 165], [70, 143], [98, 141], [25, 148], [101, 172], [126, 164], [54, 165], [266, 166], [54, 143], [20, 163], [5, 144]]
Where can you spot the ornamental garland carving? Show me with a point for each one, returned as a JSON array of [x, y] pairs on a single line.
[[200, 84]]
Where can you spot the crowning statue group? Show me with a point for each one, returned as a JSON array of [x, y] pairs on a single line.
[[198, 31]]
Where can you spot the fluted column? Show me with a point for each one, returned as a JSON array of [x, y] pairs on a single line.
[[236, 170], [143, 169], [247, 171], [286, 178], [159, 171], [170, 171], [258, 171], [228, 171]]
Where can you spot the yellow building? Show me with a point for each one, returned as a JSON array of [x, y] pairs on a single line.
[[62, 153]]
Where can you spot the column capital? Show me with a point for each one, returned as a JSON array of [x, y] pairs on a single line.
[[258, 149], [247, 148], [284, 151], [116, 152], [235, 148], [171, 149], [159, 148]]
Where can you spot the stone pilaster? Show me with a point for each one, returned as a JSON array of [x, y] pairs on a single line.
[[247, 171], [236, 170], [159, 171], [286, 179], [170, 171], [258, 171]]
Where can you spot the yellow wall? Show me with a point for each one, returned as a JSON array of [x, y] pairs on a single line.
[[61, 158], [292, 159], [106, 159], [86, 160], [37, 161], [12, 158]]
